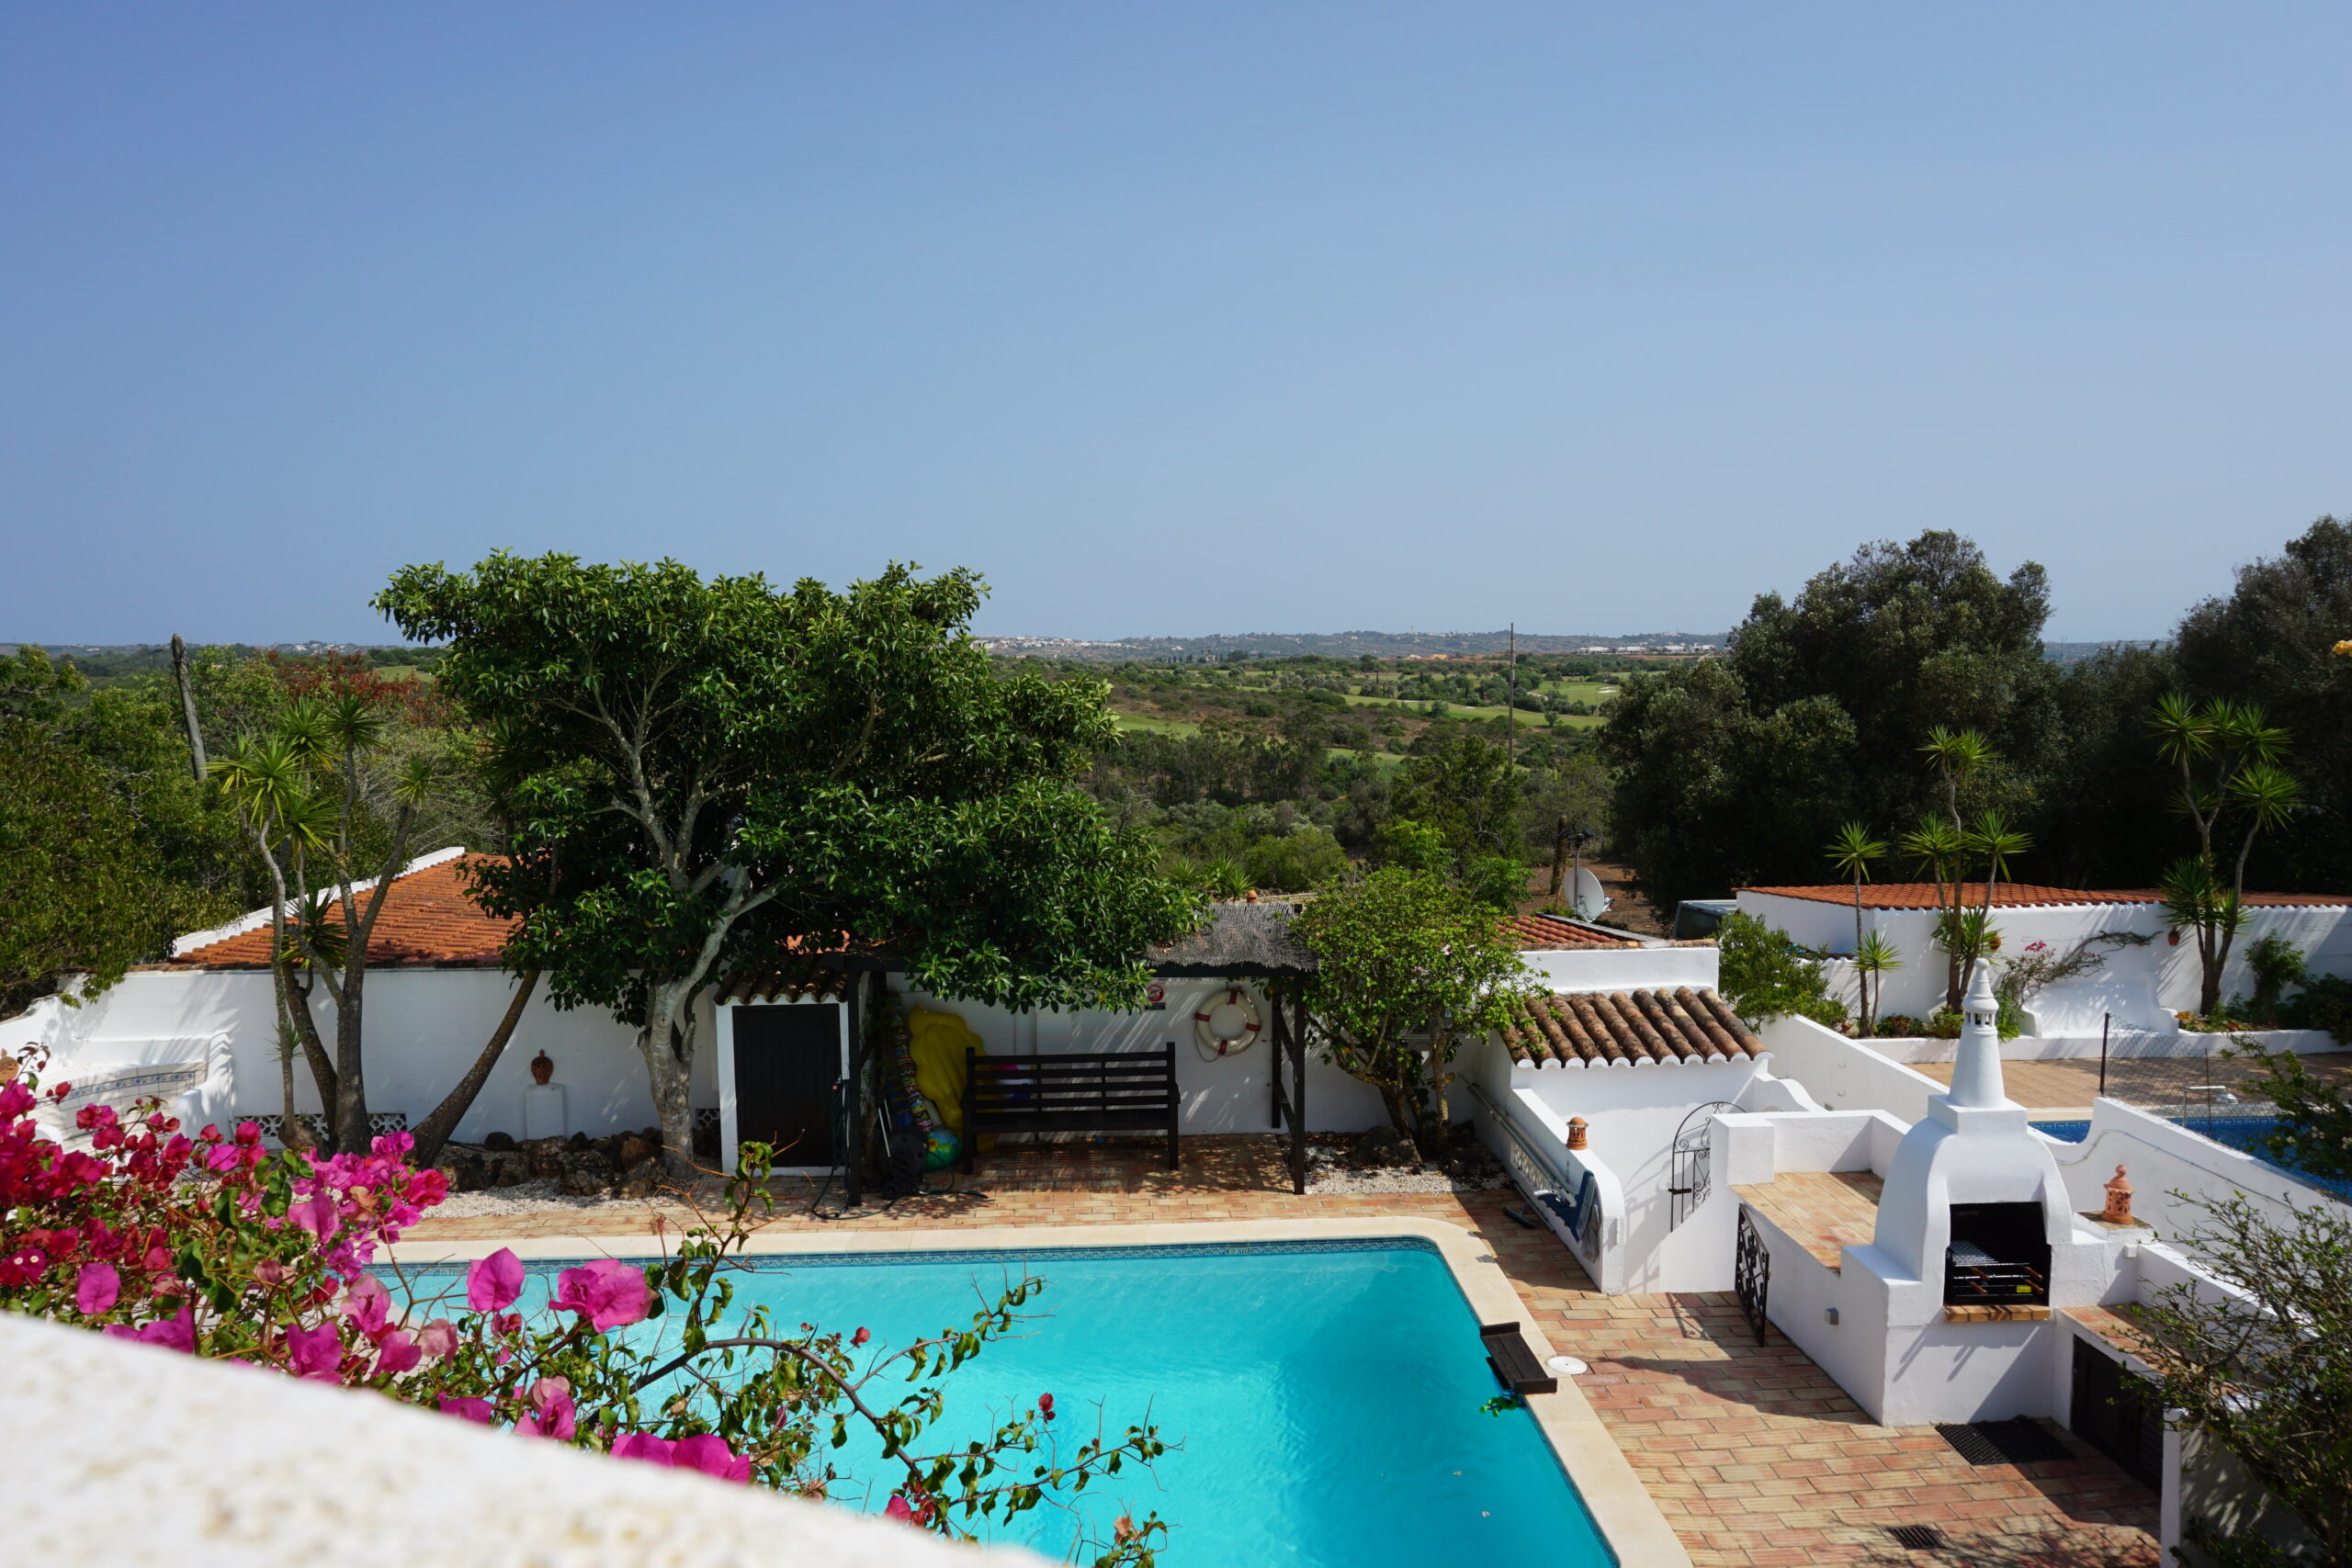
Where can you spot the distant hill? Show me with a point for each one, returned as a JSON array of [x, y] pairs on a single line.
[[1351, 645]]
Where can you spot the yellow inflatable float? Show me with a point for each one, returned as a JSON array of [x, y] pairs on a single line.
[[937, 1041]]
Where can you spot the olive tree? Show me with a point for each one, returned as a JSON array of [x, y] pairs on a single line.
[[709, 778]]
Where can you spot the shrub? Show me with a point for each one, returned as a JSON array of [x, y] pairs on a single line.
[[2324, 1003], [1767, 975], [1900, 1025]]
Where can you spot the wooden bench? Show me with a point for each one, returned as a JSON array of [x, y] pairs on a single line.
[[1078, 1092]]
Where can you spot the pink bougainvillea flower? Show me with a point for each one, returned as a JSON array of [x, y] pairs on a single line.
[[95, 1289], [860, 1337], [466, 1409], [175, 1333], [710, 1455], [314, 1352], [507, 1324], [368, 1304], [552, 1409], [492, 1284], [1045, 1405], [396, 1353], [608, 1294], [317, 1215], [438, 1339], [644, 1447], [898, 1510]]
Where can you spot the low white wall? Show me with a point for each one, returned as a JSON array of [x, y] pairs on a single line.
[[424, 1028], [1845, 1074], [2122, 1045], [1626, 968], [2170, 1168]]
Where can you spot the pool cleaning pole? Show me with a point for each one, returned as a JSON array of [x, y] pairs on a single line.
[[2104, 1019]]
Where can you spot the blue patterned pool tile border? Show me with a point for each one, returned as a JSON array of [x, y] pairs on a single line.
[[780, 1262]]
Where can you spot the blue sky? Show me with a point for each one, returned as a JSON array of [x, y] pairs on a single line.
[[1171, 319]]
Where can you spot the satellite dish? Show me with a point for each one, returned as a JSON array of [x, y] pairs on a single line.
[[1585, 896]]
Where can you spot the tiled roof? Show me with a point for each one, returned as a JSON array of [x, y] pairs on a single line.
[[1630, 1027], [428, 919], [2015, 895], [1548, 934]]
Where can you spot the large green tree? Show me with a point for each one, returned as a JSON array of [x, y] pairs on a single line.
[[1735, 770], [2267, 643], [733, 778], [1409, 967], [109, 846]]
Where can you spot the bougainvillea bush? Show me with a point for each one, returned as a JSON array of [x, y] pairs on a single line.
[[215, 1246]]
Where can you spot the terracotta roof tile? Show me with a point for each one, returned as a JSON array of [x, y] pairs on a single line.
[[2014, 894], [1550, 933], [1606, 1027], [428, 919]]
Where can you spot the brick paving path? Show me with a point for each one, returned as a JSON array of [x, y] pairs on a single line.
[[2137, 1081], [1758, 1459]]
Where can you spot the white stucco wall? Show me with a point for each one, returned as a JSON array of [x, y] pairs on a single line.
[[1232, 1093], [424, 1028], [2171, 1168], [2140, 987], [1625, 969], [1843, 1074]]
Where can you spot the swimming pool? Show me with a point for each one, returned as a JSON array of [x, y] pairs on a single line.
[[2240, 1132], [1327, 1394]]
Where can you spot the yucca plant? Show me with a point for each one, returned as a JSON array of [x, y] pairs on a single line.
[[1874, 957], [2228, 754]]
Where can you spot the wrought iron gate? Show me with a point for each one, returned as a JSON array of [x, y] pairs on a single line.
[[1752, 1275], [1688, 1175]]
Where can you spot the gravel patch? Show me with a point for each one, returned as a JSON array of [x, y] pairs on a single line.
[[1327, 1171], [527, 1198]]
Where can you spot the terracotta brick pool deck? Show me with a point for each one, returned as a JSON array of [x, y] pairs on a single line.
[[1755, 1456]]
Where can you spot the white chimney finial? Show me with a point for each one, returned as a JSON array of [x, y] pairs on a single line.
[[1976, 1076]]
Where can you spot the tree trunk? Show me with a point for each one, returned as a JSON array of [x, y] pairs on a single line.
[[443, 1122], [1559, 855], [667, 1045], [314, 1051], [1392, 1099]]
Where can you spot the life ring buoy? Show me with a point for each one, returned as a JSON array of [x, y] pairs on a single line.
[[1226, 1023]]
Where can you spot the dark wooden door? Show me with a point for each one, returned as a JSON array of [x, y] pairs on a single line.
[[787, 1063], [2118, 1413]]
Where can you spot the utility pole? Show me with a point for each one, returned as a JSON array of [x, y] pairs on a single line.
[[1510, 716], [188, 707]]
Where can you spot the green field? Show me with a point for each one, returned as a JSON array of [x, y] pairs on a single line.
[[1152, 724], [1473, 712]]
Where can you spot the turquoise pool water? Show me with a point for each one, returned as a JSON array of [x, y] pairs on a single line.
[[1328, 1396]]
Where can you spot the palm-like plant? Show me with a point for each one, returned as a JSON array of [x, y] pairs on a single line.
[[1993, 837], [2228, 754], [1941, 848], [1874, 957], [1851, 854]]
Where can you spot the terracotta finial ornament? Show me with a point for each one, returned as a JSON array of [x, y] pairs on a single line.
[[542, 1068], [2118, 1201], [1575, 1132]]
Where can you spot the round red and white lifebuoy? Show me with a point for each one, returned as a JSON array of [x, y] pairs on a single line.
[[1226, 1023]]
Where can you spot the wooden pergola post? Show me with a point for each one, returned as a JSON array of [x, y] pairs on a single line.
[[1298, 1098]]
